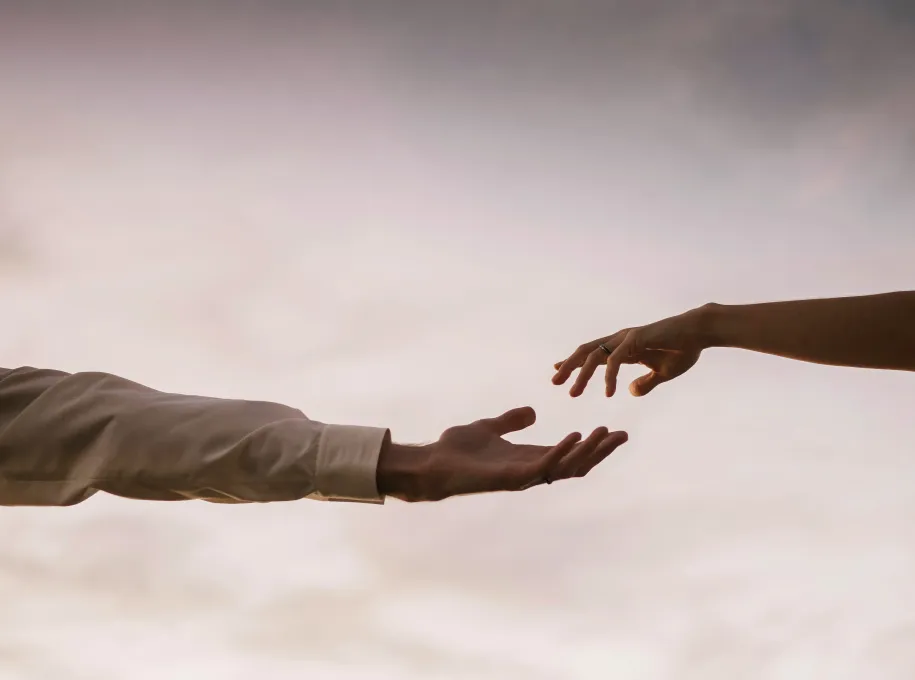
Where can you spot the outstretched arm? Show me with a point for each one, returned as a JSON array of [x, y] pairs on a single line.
[[870, 331], [63, 437]]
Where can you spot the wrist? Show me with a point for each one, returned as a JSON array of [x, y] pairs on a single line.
[[710, 325], [401, 469], [724, 325]]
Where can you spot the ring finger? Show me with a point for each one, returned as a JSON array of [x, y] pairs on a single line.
[[595, 359]]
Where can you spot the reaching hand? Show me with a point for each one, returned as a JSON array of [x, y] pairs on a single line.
[[668, 348], [474, 458]]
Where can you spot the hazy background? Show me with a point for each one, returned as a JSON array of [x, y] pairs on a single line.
[[401, 214]]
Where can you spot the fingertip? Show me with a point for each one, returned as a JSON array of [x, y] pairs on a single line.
[[610, 386], [527, 414], [611, 443]]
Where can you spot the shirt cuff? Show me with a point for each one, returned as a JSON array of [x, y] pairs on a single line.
[[348, 462]]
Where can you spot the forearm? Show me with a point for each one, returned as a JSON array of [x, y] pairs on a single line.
[[65, 436], [874, 331]]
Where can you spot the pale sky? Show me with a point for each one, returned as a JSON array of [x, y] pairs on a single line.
[[401, 215]]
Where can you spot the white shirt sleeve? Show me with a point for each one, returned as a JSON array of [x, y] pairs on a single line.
[[64, 437]]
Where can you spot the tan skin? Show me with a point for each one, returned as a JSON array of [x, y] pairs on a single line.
[[869, 331], [663, 348], [476, 458], [875, 331]]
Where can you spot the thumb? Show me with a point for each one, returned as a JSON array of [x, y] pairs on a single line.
[[511, 421], [645, 384]]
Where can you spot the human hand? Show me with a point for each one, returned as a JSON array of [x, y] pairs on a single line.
[[668, 348], [474, 458]]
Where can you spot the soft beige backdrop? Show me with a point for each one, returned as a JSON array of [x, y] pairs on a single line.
[[402, 216]]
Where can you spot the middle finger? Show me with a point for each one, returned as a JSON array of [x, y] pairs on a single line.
[[595, 359], [571, 462]]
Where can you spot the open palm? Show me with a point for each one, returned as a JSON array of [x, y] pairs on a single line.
[[475, 458]]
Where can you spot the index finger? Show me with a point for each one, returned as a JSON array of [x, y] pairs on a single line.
[[579, 356]]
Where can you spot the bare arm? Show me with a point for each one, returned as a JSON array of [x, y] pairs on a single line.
[[871, 331]]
